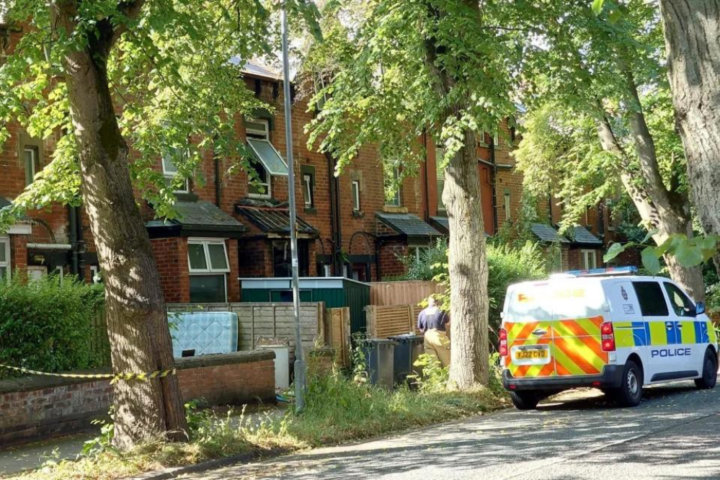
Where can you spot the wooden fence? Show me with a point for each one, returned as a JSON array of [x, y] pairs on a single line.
[[387, 320], [260, 322], [337, 333], [402, 293]]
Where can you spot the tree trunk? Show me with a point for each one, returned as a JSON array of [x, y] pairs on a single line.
[[658, 208], [692, 29], [136, 318], [469, 364]]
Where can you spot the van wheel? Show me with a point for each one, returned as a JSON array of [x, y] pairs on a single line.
[[630, 392], [524, 400], [709, 373]]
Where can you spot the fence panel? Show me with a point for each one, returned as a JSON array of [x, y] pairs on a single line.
[[402, 293], [337, 333], [388, 320]]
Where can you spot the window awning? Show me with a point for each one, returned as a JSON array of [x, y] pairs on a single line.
[[275, 220], [408, 224], [580, 235], [546, 233], [268, 156], [197, 219]]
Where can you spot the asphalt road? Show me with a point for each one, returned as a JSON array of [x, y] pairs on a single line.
[[674, 433]]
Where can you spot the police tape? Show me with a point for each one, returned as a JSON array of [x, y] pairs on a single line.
[[113, 377]]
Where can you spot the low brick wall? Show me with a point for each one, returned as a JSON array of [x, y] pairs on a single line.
[[35, 408]]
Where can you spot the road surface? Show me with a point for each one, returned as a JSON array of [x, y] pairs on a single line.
[[674, 433]]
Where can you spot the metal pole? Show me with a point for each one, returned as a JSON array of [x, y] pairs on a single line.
[[299, 359]]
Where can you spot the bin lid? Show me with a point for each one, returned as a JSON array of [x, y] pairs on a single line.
[[381, 341], [406, 337]]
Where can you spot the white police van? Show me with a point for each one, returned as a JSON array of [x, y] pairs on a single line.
[[603, 328]]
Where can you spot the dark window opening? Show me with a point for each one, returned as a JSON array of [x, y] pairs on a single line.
[[651, 298], [282, 259]]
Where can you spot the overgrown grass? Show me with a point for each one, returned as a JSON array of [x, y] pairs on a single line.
[[338, 409]]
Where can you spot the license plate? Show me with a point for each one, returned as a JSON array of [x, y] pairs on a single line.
[[523, 354], [530, 355]]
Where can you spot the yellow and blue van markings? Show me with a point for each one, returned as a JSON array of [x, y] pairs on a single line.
[[643, 334]]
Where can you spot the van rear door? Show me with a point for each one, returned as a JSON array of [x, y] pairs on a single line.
[[579, 309], [528, 323]]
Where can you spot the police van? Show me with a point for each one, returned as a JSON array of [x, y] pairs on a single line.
[[603, 328]]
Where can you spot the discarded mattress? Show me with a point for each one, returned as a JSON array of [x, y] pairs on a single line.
[[204, 332]]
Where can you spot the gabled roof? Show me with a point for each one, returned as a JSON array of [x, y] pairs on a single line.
[[274, 220], [197, 218], [407, 224], [579, 235], [254, 68], [546, 233]]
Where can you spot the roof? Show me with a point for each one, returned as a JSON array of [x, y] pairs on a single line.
[[197, 217], [274, 220], [580, 235], [407, 224], [546, 233], [257, 69], [442, 223]]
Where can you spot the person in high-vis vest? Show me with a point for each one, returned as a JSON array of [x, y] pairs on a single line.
[[434, 324]]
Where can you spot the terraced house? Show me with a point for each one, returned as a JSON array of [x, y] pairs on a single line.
[[229, 227]]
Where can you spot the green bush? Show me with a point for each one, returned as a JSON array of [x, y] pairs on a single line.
[[48, 325], [507, 264]]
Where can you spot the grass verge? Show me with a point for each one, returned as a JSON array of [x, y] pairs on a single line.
[[338, 409]]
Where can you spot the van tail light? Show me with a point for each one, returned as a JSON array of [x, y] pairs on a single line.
[[607, 337], [503, 343]]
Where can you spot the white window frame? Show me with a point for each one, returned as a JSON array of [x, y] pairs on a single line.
[[214, 274], [586, 255], [95, 274], [439, 178], [170, 174], [496, 140], [60, 272], [355, 190], [210, 271], [7, 264], [205, 242], [398, 193], [264, 134], [34, 152], [418, 249], [308, 189], [608, 211], [508, 216]]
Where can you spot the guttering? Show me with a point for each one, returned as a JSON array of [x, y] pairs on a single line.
[[493, 182], [427, 180], [49, 246]]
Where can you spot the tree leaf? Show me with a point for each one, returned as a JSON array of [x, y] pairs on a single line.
[[651, 260], [597, 6], [650, 234], [614, 250], [688, 255]]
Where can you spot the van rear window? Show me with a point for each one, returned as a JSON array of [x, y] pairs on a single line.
[[652, 301]]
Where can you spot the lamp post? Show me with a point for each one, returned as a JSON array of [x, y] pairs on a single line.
[[299, 358]]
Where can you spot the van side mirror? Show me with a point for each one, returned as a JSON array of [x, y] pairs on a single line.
[[699, 308]]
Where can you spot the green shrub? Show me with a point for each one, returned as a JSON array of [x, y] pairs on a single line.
[[48, 325], [507, 264]]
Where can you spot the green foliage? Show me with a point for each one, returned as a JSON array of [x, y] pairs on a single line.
[[712, 300], [434, 377], [507, 264], [175, 73], [689, 252], [48, 325]]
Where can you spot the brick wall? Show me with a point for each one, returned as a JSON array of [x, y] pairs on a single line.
[[40, 407]]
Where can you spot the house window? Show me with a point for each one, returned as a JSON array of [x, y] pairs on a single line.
[[496, 140], [208, 265], [417, 253], [5, 257], [356, 195], [483, 139], [31, 157], [308, 177], [440, 170], [282, 259], [589, 258], [393, 187], [171, 172], [507, 206], [266, 162]]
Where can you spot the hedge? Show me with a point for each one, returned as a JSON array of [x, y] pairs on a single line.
[[50, 325]]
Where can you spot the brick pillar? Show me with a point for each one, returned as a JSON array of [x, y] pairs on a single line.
[[233, 284]]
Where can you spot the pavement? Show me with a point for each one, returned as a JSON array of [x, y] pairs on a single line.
[[674, 433]]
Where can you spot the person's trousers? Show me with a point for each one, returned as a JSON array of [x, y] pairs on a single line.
[[437, 344]]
